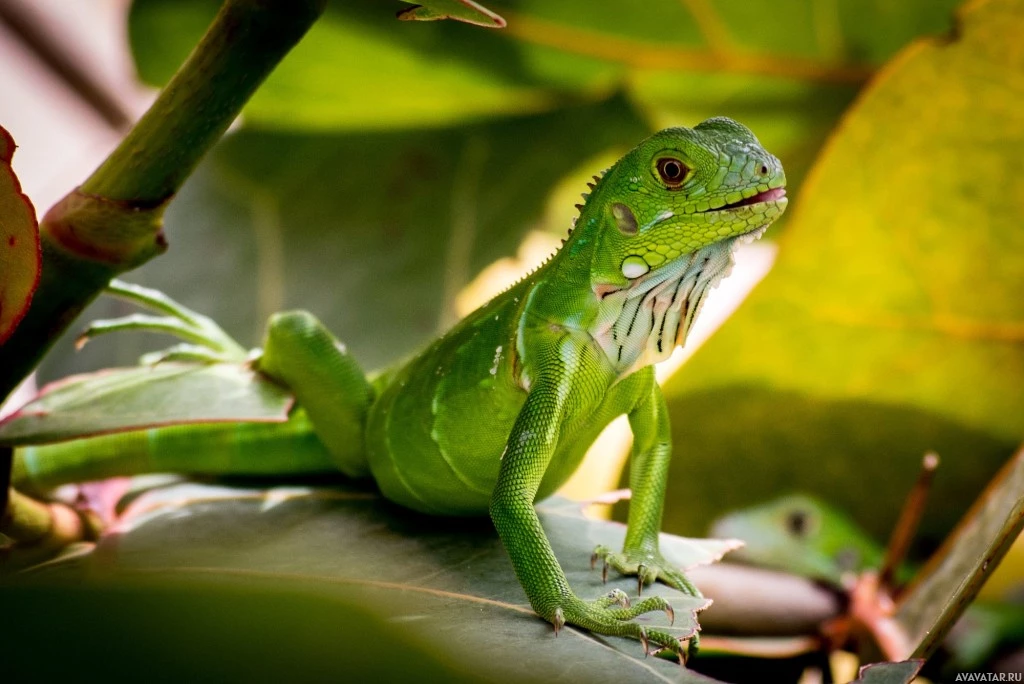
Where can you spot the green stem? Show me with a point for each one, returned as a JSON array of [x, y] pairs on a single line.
[[246, 41], [46, 526], [113, 223]]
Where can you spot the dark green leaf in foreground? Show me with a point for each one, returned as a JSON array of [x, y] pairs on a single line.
[[204, 630], [447, 581], [20, 258], [890, 673], [142, 397], [892, 323], [950, 581]]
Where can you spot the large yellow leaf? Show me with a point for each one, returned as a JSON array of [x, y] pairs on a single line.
[[893, 321]]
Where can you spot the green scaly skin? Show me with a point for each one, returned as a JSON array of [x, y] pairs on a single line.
[[498, 412]]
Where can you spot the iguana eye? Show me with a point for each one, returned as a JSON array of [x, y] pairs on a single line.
[[672, 171], [797, 523]]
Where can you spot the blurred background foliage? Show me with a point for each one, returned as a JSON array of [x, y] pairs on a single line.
[[386, 164], [400, 158]]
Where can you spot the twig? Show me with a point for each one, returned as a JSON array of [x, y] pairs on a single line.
[[908, 522]]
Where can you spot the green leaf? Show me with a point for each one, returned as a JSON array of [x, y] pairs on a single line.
[[447, 582], [359, 68], [890, 673], [122, 399], [892, 323], [20, 256], [459, 10], [950, 581]]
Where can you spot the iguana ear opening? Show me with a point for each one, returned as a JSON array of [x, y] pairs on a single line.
[[625, 219]]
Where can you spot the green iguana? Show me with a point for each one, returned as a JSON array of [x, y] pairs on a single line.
[[498, 412], [804, 535]]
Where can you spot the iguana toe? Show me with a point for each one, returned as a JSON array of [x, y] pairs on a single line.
[[648, 567]]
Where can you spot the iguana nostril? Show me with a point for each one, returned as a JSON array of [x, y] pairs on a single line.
[[764, 169]]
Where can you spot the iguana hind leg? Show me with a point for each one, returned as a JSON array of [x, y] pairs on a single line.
[[328, 383]]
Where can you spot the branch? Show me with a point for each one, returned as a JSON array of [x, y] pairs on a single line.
[[114, 222]]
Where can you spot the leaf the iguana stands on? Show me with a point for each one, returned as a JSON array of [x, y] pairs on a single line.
[[952, 578], [892, 323], [447, 580], [122, 399], [20, 257]]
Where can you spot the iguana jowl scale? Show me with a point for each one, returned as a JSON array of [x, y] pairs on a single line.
[[499, 412]]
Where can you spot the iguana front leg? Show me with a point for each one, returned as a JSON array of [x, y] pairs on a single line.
[[530, 446], [648, 476]]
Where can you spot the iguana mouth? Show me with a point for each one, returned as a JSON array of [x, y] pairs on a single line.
[[772, 195]]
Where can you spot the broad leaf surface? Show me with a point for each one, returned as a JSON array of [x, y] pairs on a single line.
[[892, 323], [20, 259], [953, 576], [788, 74], [359, 68], [448, 581], [122, 399]]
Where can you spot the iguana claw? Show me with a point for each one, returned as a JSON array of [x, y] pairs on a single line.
[[559, 620], [680, 655], [612, 615], [647, 566]]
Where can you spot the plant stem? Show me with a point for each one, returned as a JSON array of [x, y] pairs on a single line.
[[46, 526], [114, 222]]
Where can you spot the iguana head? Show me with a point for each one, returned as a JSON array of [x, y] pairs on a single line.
[[663, 222], [800, 534]]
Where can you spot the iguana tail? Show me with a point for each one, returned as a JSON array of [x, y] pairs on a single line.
[[203, 449]]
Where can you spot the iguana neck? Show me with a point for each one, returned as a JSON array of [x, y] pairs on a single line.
[[642, 323], [639, 323]]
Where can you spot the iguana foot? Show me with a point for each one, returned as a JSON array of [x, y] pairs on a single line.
[[611, 615], [648, 566]]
